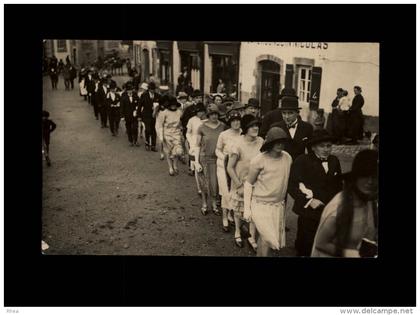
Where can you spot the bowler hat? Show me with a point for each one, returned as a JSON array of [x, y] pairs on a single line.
[[319, 136], [275, 134], [212, 108], [247, 121], [196, 93], [236, 106], [365, 164], [253, 102], [289, 103]]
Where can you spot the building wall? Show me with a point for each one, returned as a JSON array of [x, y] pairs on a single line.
[[343, 65], [64, 54]]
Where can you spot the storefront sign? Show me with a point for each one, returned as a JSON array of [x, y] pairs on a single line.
[[314, 45]]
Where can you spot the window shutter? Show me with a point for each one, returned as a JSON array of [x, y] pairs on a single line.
[[289, 77], [315, 88]]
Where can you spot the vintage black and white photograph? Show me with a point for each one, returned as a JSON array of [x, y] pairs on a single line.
[[210, 148]]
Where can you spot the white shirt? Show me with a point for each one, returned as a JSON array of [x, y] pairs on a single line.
[[105, 89], [324, 164], [131, 99], [292, 131], [344, 103]]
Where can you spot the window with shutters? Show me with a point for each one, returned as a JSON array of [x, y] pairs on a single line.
[[304, 83], [61, 45]]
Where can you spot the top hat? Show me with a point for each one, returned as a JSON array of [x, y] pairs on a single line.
[[129, 85], [212, 108], [365, 164], [275, 134], [152, 86], [289, 103], [319, 136], [247, 121], [196, 93], [113, 85], [253, 102], [287, 92]]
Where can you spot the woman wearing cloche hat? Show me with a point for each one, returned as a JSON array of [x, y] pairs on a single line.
[[265, 191], [241, 153], [205, 156], [170, 134], [226, 139], [349, 223]]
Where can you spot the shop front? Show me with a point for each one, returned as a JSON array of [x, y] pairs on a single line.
[[191, 61]]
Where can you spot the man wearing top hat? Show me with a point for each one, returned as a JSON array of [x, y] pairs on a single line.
[[148, 101], [129, 104], [275, 115], [294, 126], [101, 95], [315, 178], [113, 107]]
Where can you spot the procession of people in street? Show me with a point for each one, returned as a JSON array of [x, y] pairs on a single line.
[[247, 167]]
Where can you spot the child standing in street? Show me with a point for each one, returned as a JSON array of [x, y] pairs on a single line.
[[48, 126]]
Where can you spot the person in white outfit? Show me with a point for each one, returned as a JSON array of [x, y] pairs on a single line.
[[265, 191]]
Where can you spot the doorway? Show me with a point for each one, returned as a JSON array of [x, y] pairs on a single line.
[[146, 65], [270, 85]]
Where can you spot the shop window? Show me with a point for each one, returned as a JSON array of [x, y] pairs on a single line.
[[304, 83], [225, 68], [165, 69], [61, 45]]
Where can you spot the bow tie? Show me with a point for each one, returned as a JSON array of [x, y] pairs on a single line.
[[323, 160], [292, 126]]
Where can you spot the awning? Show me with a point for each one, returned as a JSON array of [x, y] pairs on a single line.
[[229, 49], [189, 46], [164, 44]]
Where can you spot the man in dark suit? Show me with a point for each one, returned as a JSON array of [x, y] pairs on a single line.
[[294, 126], [314, 180], [148, 101], [275, 116], [102, 102], [90, 86], [129, 106]]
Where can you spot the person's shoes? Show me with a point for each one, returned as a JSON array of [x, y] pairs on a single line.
[[113, 134], [154, 149], [131, 144], [217, 212], [238, 242], [48, 163], [147, 147], [162, 157], [252, 244], [226, 228], [176, 171], [190, 172], [137, 144], [199, 192]]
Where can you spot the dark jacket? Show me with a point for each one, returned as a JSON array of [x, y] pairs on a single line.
[[100, 96], [186, 115], [90, 84], [357, 103], [146, 105], [113, 104], [127, 107], [48, 126], [303, 132], [308, 169]]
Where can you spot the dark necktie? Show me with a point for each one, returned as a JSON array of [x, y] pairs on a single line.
[[292, 126]]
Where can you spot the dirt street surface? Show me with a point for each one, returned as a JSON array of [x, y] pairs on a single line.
[[103, 197]]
